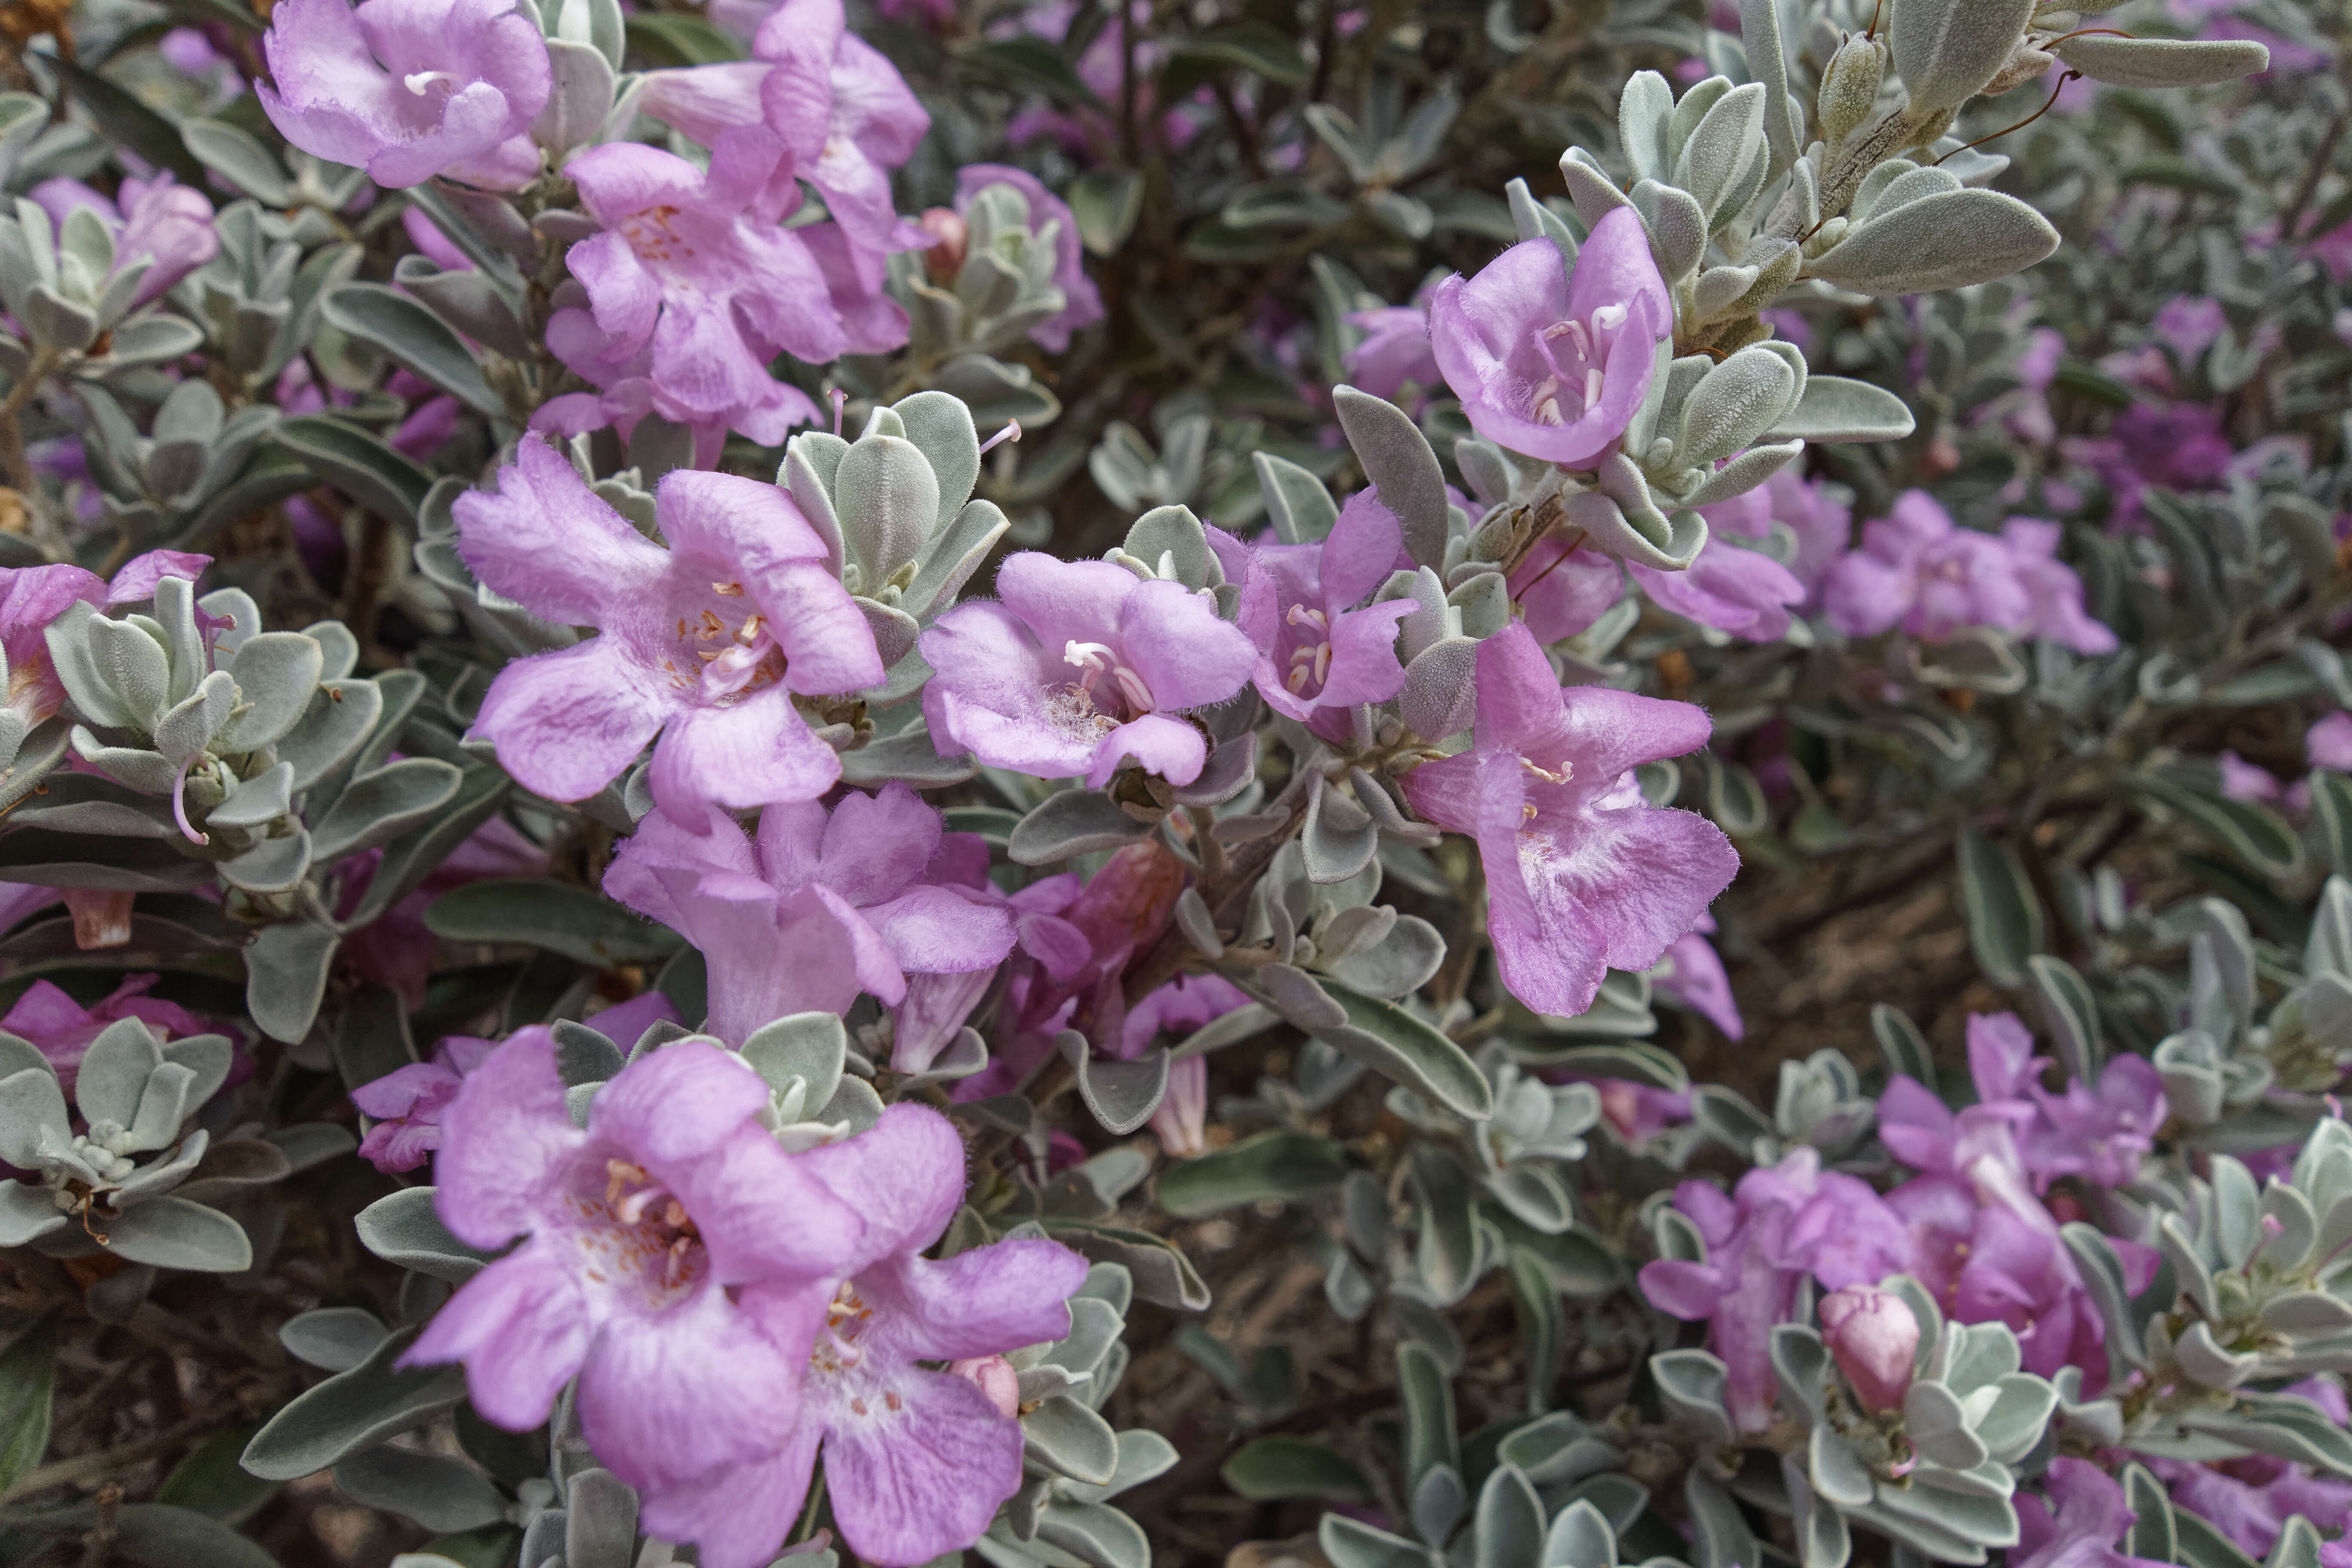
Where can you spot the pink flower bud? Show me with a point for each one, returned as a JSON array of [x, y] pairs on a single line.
[[944, 259], [994, 1377], [1874, 1337]]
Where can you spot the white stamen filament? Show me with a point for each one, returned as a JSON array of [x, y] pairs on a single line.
[[417, 81]]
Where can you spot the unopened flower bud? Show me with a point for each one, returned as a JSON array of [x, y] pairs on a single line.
[[2022, 67], [1874, 1336], [995, 1376], [1180, 1122], [944, 259], [1850, 87], [101, 917]]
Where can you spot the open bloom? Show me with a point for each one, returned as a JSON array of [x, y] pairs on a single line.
[[1582, 874], [703, 644], [161, 222], [1082, 301], [846, 117], [1078, 666], [410, 89], [677, 1261], [1918, 570], [1551, 363], [823, 907], [916, 1461], [1780, 1223], [693, 289], [1317, 649]]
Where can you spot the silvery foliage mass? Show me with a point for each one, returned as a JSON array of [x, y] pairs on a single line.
[[1402, 1161]]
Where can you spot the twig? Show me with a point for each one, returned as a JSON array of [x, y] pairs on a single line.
[[87, 1468]]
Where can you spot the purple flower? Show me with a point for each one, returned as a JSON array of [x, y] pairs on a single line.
[[1395, 352], [410, 89], [408, 1102], [821, 908], [1985, 1245], [1743, 592], [937, 1005], [1316, 651], [1918, 570], [2190, 325], [61, 1028], [2249, 1499], [33, 596], [1874, 1336], [1822, 524], [1582, 874], [676, 1262], [1561, 587], [844, 114], [2328, 743], [915, 1461], [2082, 1530], [1081, 301], [1187, 1003], [165, 223], [693, 289], [1548, 363], [847, 116], [2056, 591], [1780, 1223], [1078, 666], [2242, 780], [1693, 974], [2099, 1135], [703, 644]]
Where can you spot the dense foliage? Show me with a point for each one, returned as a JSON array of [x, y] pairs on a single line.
[[1109, 785]]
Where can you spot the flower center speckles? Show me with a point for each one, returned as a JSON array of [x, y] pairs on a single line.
[[1106, 683], [638, 1232], [724, 658], [1310, 661], [840, 1348], [652, 234]]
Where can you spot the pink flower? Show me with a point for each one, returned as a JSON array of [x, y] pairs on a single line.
[[1079, 667], [410, 89], [2328, 743], [703, 644], [1582, 874], [61, 1028], [1551, 363], [916, 1461], [1874, 1337]]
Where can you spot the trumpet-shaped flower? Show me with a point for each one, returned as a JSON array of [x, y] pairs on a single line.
[[410, 89], [1781, 1223], [676, 1260], [693, 289], [1078, 666], [1583, 875], [916, 1461], [819, 909], [1316, 651], [1553, 361], [703, 644]]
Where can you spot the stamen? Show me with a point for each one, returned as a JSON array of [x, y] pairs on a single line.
[[417, 81], [1011, 432], [1593, 384], [1301, 615], [180, 803], [1607, 317], [1322, 662], [1132, 684], [727, 591], [1567, 770]]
